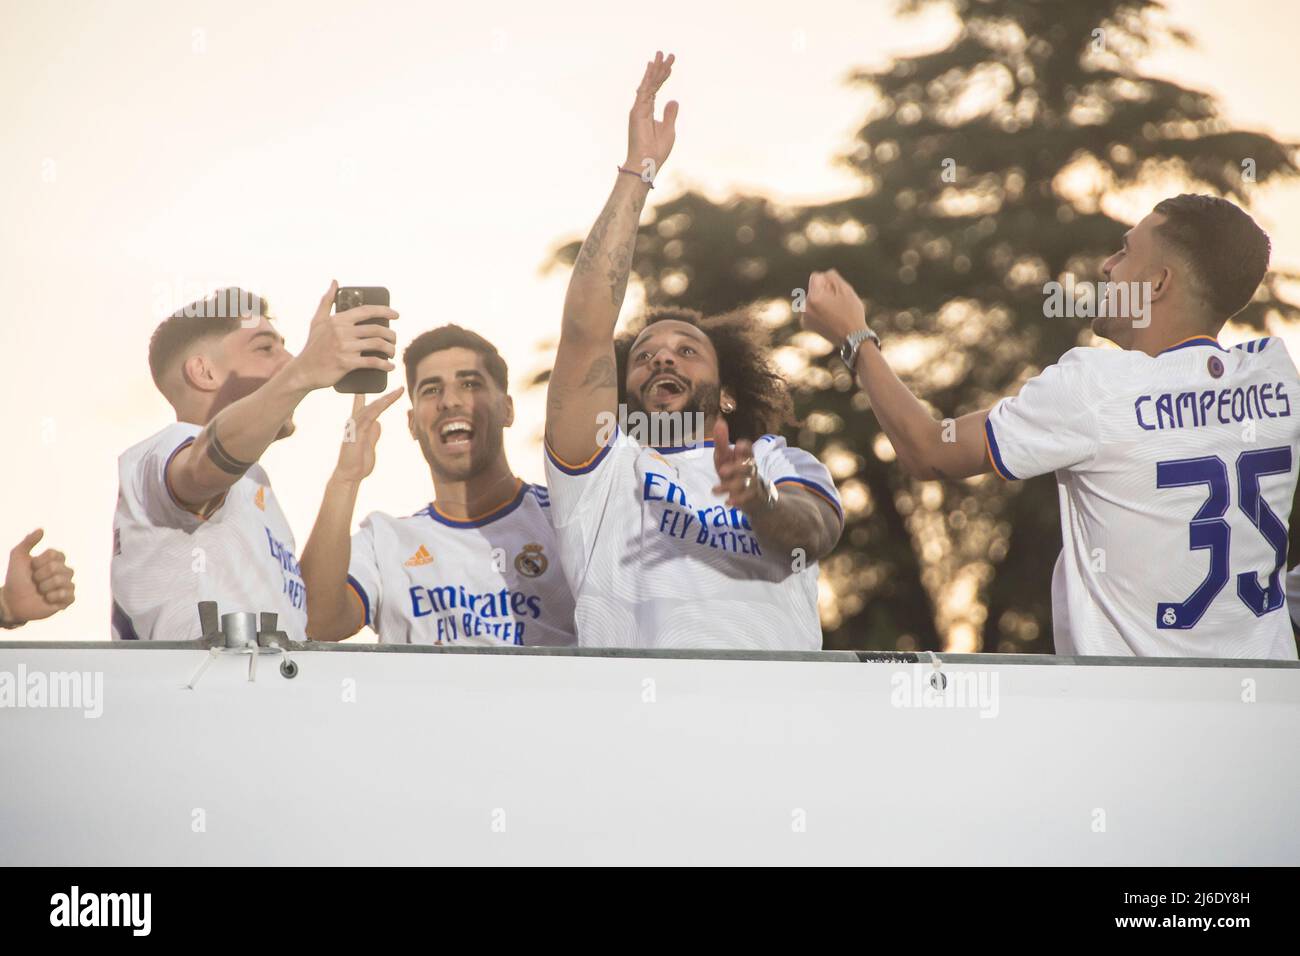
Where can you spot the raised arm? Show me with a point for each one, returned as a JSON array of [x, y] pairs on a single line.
[[238, 435], [926, 449], [332, 613], [584, 382]]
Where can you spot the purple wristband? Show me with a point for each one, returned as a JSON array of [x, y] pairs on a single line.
[[633, 172]]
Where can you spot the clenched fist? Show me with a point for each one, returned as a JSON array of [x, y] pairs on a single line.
[[35, 588], [834, 310]]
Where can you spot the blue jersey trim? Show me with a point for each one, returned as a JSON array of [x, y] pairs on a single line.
[[1254, 346], [167, 467], [995, 453], [361, 593], [817, 489], [433, 512], [123, 625], [674, 449], [589, 465]]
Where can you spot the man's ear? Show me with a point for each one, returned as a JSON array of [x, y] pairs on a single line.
[[510, 411], [1160, 286], [410, 423], [726, 400], [199, 373]]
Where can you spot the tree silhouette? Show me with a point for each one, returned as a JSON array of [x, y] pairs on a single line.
[[982, 167]]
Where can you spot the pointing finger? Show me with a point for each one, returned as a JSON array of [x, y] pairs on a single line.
[[381, 405]]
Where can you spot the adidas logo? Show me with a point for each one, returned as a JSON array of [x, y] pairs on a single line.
[[421, 556], [259, 499]]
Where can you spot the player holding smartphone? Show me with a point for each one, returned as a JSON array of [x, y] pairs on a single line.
[[196, 518]]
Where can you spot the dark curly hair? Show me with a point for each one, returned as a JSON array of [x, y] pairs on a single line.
[[763, 403]]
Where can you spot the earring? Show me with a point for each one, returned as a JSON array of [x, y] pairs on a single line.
[[728, 408]]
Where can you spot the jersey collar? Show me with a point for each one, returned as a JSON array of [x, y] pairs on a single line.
[[1195, 340], [480, 520], [674, 449]]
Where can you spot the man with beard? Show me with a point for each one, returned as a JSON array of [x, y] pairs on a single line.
[[1169, 443], [196, 518], [704, 546], [477, 566]]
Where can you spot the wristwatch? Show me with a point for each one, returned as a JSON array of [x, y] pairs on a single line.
[[849, 350]]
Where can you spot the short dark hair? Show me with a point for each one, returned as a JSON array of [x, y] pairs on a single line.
[[218, 315], [763, 403], [1226, 249], [454, 337]]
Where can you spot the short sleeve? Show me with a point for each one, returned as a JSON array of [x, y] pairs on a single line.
[[159, 503], [1049, 426], [363, 571], [783, 466], [582, 488]]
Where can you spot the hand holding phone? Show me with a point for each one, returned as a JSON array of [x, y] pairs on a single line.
[[339, 344], [363, 381]]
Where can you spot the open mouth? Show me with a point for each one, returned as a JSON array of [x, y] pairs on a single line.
[[457, 432], [664, 388]]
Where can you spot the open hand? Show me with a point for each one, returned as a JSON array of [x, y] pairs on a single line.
[[649, 141]]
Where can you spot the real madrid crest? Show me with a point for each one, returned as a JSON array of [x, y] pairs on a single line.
[[530, 562]]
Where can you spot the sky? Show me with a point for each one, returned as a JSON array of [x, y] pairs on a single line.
[[155, 151]]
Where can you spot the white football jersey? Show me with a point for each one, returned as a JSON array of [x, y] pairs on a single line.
[[490, 581], [657, 560], [166, 559], [1293, 594], [1176, 475]]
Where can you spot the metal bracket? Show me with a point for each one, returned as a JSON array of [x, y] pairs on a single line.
[[938, 679], [238, 634]]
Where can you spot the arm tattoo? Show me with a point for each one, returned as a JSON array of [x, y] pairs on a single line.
[[619, 258], [601, 374], [222, 458], [620, 266], [595, 240]]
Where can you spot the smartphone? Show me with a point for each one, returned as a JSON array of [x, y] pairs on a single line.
[[362, 381]]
